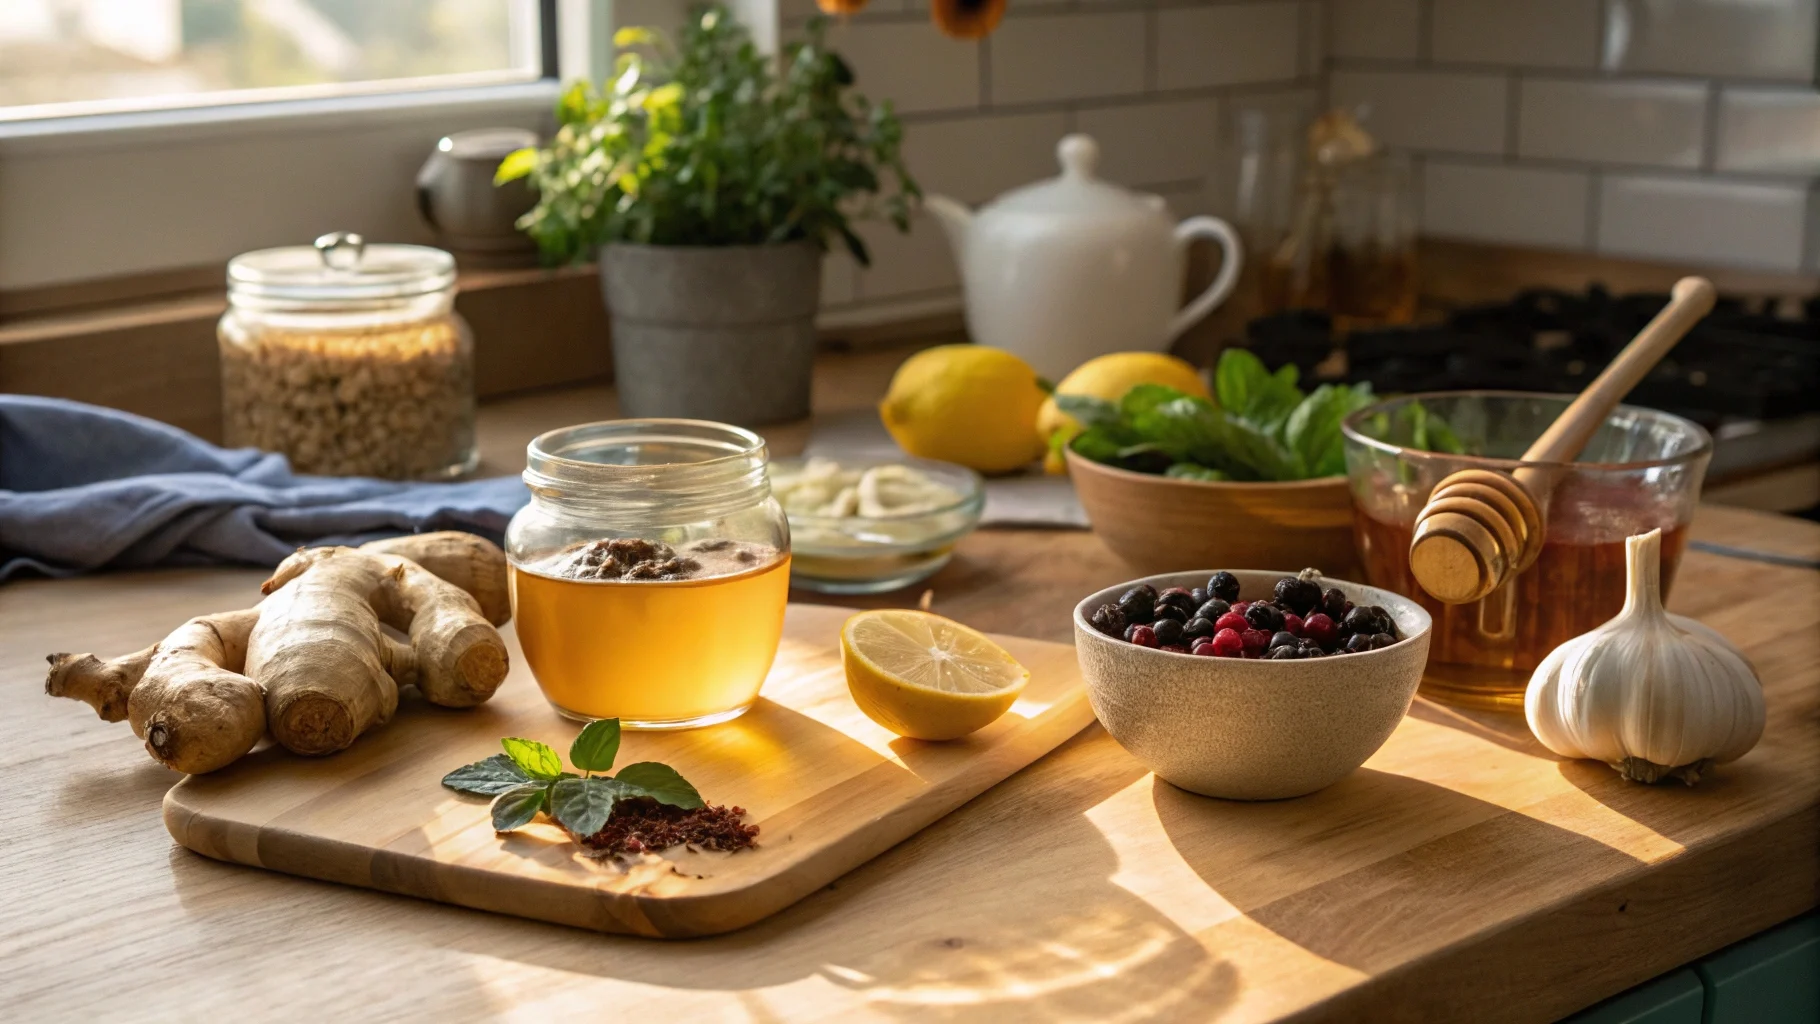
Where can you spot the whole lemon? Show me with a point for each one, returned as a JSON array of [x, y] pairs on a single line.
[[965, 403], [1110, 376]]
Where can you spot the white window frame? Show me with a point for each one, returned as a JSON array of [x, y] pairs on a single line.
[[120, 195]]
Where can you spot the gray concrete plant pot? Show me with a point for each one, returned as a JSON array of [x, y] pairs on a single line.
[[713, 332]]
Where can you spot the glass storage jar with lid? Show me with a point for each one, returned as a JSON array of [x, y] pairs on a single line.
[[650, 571], [349, 359]]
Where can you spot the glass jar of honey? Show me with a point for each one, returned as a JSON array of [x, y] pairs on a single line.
[[349, 359], [1641, 471], [650, 571]]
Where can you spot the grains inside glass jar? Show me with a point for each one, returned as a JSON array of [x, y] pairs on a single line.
[[391, 400]]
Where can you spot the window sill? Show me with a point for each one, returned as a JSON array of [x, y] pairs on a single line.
[[91, 132]]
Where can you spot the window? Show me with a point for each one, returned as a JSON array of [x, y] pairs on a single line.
[[66, 57]]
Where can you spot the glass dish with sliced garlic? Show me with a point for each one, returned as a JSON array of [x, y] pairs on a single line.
[[867, 526]]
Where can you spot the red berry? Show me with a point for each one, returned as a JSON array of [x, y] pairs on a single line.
[[1228, 644], [1255, 641], [1233, 621], [1143, 636], [1321, 629], [1240, 606], [1204, 647], [1174, 648], [1293, 623]]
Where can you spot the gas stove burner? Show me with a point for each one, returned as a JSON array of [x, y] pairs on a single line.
[[1746, 361]]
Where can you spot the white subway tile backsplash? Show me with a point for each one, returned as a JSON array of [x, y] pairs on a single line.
[[1375, 29], [1151, 143], [1527, 33], [1771, 130], [1736, 38], [911, 64], [974, 159], [1227, 44], [1461, 113], [1505, 204], [1312, 59], [1613, 121], [918, 262], [1459, 80], [1703, 221], [1067, 56]]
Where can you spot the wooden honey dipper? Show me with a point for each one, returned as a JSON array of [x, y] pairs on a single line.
[[1481, 527]]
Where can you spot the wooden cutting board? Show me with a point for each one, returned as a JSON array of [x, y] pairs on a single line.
[[827, 787]]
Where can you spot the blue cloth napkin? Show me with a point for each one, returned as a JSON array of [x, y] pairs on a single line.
[[84, 488]]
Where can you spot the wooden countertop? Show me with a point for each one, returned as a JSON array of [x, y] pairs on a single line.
[[1463, 873]]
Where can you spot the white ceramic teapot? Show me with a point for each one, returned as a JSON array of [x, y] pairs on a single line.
[[1071, 268]]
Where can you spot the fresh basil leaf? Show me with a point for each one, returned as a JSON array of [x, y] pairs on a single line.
[[1441, 434], [584, 805], [660, 782], [1250, 392], [1313, 431], [1192, 430], [489, 777], [1101, 443], [516, 807], [1253, 448], [1088, 410], [1191, 471], [537, 759], [1144, 398], [597, 746]]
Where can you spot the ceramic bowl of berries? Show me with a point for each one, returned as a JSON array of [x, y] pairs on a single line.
[[1250, 685]]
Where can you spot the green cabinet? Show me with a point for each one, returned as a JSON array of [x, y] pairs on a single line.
[[1674, 998], [1770, 978]]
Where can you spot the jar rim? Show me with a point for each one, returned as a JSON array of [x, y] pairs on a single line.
[[339, 268], [1702, 446], [546, 448]]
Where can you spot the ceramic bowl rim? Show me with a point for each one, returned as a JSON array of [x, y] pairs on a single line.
[[1109, 594]]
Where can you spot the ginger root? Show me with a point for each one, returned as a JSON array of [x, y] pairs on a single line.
[[314, 663]]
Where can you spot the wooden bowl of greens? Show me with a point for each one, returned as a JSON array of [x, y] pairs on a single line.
[[1254, 478]]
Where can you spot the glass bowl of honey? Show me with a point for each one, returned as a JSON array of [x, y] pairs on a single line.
[[1641, 471], [650, 571]]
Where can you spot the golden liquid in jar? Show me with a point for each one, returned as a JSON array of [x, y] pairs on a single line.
[[654, 654], [1482, 654]]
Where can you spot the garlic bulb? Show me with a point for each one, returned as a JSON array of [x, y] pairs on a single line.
[[1649, 693]]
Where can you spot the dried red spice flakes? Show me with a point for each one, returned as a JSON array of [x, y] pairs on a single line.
[[642, 825]]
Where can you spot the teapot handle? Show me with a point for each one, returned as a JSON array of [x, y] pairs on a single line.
[[1232, 257]]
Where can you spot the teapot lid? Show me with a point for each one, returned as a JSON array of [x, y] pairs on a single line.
[[1077, 190]]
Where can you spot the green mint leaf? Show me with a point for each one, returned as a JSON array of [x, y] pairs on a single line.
[[1102, 443], [597, 746], [1088, 411], [515, 808], [583, 805], [1144, 398], [537, 759], [660, 782], [489, 777], [1250, 392], [1191, 471], [1313, 431]]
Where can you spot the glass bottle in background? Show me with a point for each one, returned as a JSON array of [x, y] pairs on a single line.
[[1371, 277], [1253, 187], [1350, 247]]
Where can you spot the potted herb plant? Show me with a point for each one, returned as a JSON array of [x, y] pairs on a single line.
[[711, 177]]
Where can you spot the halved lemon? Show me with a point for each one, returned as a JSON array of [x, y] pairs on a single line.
[[926, 677]]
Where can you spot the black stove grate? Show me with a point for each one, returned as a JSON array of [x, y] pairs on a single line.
[[1741, 362]]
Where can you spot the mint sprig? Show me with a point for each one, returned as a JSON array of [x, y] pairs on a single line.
[[528, 779]]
